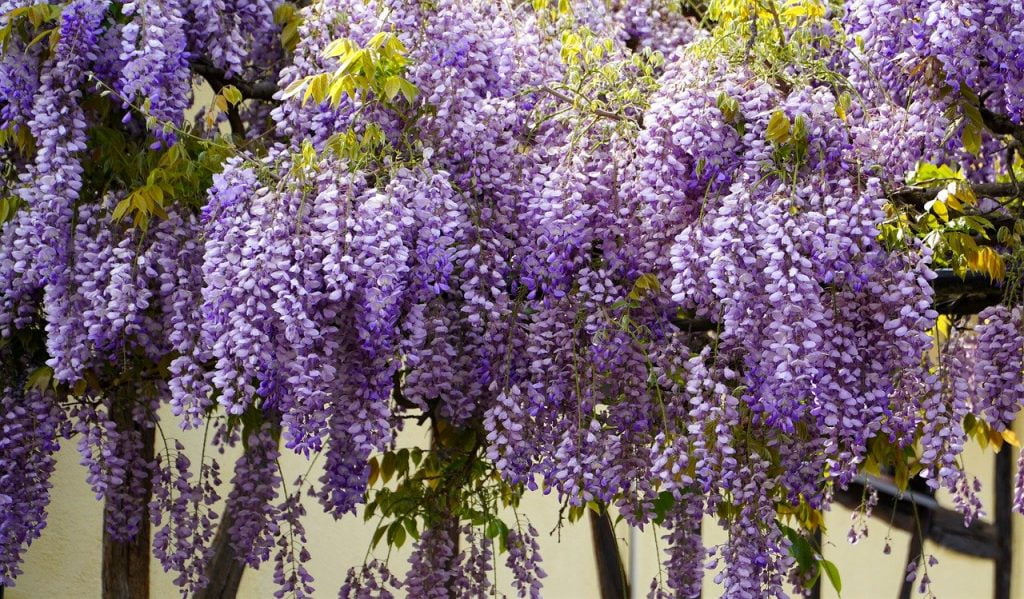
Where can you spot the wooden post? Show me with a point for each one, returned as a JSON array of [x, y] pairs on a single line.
[[818, 542], [1004, 523], [919, 533], [126, 564]]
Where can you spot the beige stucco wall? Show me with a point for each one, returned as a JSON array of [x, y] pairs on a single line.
[[65, 562]]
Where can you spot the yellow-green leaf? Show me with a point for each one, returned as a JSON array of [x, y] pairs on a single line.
[[338, 47], [996, 439], [778, 127], [392, 87], [409, 91], [121, 209], [231, 93]]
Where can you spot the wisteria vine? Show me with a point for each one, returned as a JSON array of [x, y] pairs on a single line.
[[666, 259]]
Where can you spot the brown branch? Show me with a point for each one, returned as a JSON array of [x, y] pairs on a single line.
[[217, 78], [958, 296], [1004, 485], [918, 197], [1001, 124], [596, 111]]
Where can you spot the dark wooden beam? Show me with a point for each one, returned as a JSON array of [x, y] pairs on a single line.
[[815, 590], [962, 296], [611, 575], [946, 527], [1004, 523]]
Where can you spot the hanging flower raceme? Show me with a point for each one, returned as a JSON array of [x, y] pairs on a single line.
[[31, 422], [156, 62], [34, 252]]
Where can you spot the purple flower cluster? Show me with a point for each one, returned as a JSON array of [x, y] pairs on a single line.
[[254, 488], [30, 424], [434, 566], [524, 562], [655, 24], [34, 250], [290, 574], [999, 365], [911, 61], [111, 442], [183, 517], [156, 61], [372, 580], [235, 35], [19, 80]]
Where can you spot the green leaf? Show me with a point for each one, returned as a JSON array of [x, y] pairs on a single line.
[[902, 475], [290, 35], [833, 574], [409, 91], [387, 467], [800, 128], [729, 106], [377, 534], [40, 378], [645, 285], [284, 13], [970, 423], [662, 505], [39, 37], [412, 527], [800, 549], [971, 137], [396, 534], [402, 458], [374, 472]]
